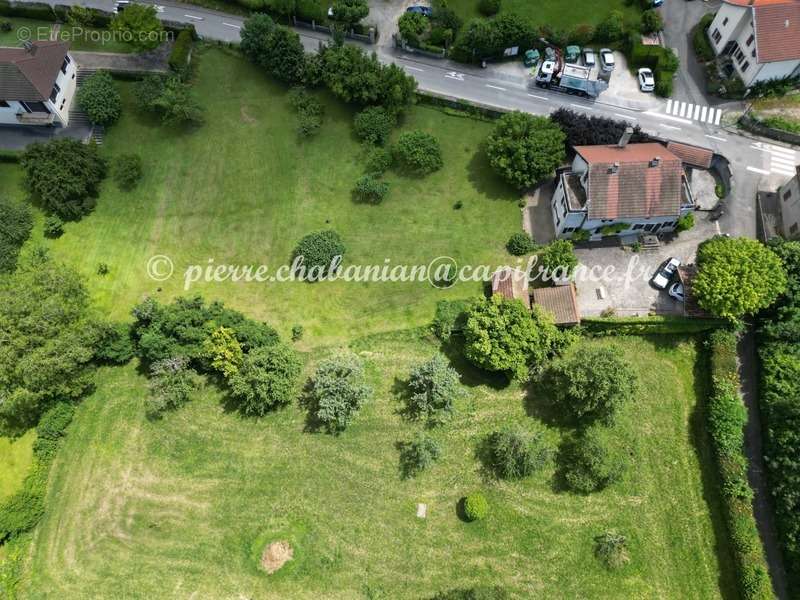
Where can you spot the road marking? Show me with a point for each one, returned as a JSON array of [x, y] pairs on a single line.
[[670, 126], [718, 118], [494, 87], [625, 116], [583, 106], [703, 113], [760, 171], [659, 115], [194, 17], [410, 68], [779, 158], [539, 97], [774, 150], [714, 137], [781, 171], [683, 109], [696, 111], [455, 75], [669, 105], [231, 25]]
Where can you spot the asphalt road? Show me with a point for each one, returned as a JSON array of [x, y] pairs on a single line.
[[755, 165]]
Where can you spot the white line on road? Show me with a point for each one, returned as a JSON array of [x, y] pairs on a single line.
[[659, 115], [760, 171], [781, 171], [626, 116], [696, 112], [670, 126], [714, 137], [494, 87], [539, 97], [231, 25], [780, 158], [410, 68], [703, 113], [718, 118], [193, 17], [583, 106]]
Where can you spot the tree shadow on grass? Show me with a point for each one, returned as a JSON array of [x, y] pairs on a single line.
[[540, 403], [485, 180], [471, 376]]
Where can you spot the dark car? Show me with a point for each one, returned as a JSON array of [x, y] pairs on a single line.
[[423, 10], [665, 273]]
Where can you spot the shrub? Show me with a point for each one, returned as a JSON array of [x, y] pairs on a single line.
[[476, 507], [21, 511], [411, 26], [337, 391], [181, 51], [433, 388], [612, 28], [488, 39], [514, 454], [374, 124], [99, 99], [53, 423], [318, 251], [267, 378], [663, 84], [652, 21], [302, 101], [308, 124], [297, 333], [611, 549], [450, 317], [582, 34], [370, 189], [171, 384], [114, 344], [222, 352], [127, 170], [588, 465], [584, 130], [170, 99], [16, 223], [140, 24], [557, 260], [489, 8], [5, 25], [379, 161], [702, 47], [418, 152], [53, 226], [520, 244], [685, 223], [418, 454]]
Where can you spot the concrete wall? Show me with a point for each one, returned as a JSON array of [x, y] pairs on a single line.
[[8, 114], [67, 82], [789, 198]]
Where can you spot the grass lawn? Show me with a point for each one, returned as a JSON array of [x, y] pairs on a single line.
[[83, 38], [554, 13], [31, 30], [183, 506], [16, 456], [243, 189]]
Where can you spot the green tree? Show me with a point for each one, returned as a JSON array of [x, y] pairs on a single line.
[[525, 149], [612, 28], [418, 152], [592, 384], [127, 170], [374, 124], [557, 259], [520, 244], [589, 464], [16, 223], [370, 189], [254, 34], [433, 388], [223, 352], [99, 99], [64, 175], [337, 391], [318, 251], [737, 277], [48, 343], [514, 454], [138, 24], [169, 98], [652, 21], [267, 378], [501, 335], [349, 12], [412, 25], [418, 454], [489, 8], [283, 55], [171, 383]]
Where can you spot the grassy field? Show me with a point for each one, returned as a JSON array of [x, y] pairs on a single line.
[[243, 189], [85, 38], [182, 507], [16, 456], [554, 13]]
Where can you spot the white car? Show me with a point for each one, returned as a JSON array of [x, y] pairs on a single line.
[[607, 60], [676, 291], [664, 274], [589, 59], [647, 82]]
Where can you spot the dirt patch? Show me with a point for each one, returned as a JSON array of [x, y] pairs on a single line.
[[246, 116], [275, 556]]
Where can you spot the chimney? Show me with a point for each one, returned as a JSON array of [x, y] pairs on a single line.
[[655, 162], [612, 170], [626, 137], [28, 45]]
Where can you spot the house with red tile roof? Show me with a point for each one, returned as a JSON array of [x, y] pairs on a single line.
[[624, 189], [37, 84], [761, 37]]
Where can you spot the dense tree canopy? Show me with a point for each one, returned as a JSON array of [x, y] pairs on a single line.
[[337, 391], [501, 335], [318, 251], [16, 222], [525, 148], [418, 152], [557, 259], [586, 130], [349, 12], [139, 25], [433, 388], [99, 99], [267, 378], [737, 277], [275, 48]]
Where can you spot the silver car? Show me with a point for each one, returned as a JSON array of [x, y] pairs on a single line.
[[607, 60], [589, 59]]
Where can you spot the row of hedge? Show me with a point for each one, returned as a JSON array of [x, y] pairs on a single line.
[[654, 325], [22, 510], [662, 61], [727, 418], [181, 52]]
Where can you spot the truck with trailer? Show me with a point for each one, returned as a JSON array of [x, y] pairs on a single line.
[[555, 74]]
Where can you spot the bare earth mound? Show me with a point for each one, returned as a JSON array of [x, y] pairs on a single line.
[[275, 556]]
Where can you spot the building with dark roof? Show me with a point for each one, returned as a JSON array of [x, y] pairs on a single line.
[[624, 189], [761, 38], [37, 84], [560, 302], [512, 284]]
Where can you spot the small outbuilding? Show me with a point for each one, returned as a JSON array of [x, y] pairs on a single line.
[[560, 301], [511, 284]]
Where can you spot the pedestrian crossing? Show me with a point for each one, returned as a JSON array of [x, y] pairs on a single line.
[[782, 161], [694, 112]]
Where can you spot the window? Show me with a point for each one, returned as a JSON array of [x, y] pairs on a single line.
[[3, 104], [637, 226], [716, 36], [738, 55], [787, 194], [793, 229], [753, 54], [64, 65], [750, 40], [724, 21], [745, 66], [55, 92]]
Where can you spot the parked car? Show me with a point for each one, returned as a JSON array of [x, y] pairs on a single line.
[[606, 59], [676, 291], [423, 10], [665, 273], [120, 6], [589, 58], [647, 82], [657, 3]]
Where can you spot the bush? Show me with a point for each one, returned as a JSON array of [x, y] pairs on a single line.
[[16, 223], [652, 21], [417, 455], [181, 51], [127, 170], [581, 35], [702, 47], [374, 124], [611, 549], [685, 223], [318, 251], [21, 511], [337, 391], [302, 101], [515, 454], [114, 344], [612, 28], [584, 130], [433, 388], [370, 189], [482, 39], [489, 8], [588, 465], [557, 260], [418, 152], [5, 25], [379, 161], [308, 124], [663, 83], [267, 378], [476, 507], [53, 423], [171, 384], [411, 26], [297, 333], [222, 352], [140, 24], [170, 99], [520, 244], [99, 99], [450, 317]]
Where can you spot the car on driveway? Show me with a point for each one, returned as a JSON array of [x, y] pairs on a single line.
[[589, 58], [647, 82], [423, 10], [676, 291], [607, 60], [665, 273]]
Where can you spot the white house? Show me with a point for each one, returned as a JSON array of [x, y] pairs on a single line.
[[789, 199], [624, 190], [762, 37], [37, 84]]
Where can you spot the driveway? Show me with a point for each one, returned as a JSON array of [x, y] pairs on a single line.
[[18, 137], [384, 15]]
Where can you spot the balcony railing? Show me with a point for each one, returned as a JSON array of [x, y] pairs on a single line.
[[35, 118]]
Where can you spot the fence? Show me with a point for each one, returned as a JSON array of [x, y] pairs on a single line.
[[369, 38]]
